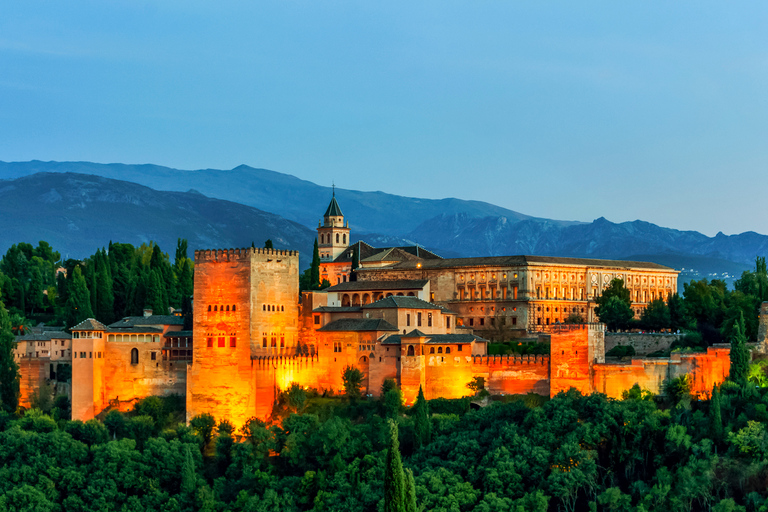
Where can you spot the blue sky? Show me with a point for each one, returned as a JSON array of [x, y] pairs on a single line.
[[570, 110]]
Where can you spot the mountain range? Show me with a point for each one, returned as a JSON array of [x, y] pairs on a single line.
[[82, 204]]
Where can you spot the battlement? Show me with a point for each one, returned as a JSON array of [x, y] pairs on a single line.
[[564, 328], [512, 359], [219, 255]]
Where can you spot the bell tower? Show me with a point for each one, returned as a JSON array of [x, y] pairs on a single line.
[[332, 234]]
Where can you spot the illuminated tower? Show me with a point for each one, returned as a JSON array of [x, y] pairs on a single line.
[[332, 234]]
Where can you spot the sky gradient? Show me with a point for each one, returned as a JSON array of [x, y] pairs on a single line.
[[567, 110]]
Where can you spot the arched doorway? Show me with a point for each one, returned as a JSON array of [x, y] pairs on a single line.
[[366, 299], [355, 299], [345, 300], [410, 350]]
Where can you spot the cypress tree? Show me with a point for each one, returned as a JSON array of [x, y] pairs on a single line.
[[410, 492], [314, 270], [9, 369], [394, 478], [421, 423], [188, 480], [739, 352], [78, 306], [715, 416], [105, 298]]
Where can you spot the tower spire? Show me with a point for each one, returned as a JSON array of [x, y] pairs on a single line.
[[333, 185]]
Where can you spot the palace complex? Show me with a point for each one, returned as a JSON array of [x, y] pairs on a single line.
[[402, 313]]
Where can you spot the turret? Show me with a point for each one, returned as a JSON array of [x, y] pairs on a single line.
[[332, 234]]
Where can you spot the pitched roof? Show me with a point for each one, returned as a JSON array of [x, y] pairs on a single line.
[[178, 334], [509, 261], [337, 309], [333, 209], [400, 284], [399, 301], [152, 320], [89, 324], [45, 336], [369, 253], [138, 329], [435, 339], [358, 324], [415, 334]]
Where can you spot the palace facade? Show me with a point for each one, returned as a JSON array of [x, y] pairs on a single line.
[[401, 313]]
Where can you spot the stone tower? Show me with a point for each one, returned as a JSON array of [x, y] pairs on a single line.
[[245, 306], [332, 234]]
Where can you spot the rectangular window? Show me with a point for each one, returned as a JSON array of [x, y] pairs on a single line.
[[482, 321], [274, 342], [471, 322], [232, 342], [429, 319], [209, 342], [90, 355], [418, 319], [264, 342], [317, 319], [448, 322], [459, 348], [153, 356], [514, 320], [282, 341], [222, 342], [408, 319]]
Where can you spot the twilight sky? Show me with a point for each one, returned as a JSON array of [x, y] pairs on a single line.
[[569, 110]]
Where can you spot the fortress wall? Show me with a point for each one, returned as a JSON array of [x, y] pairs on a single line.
[[705, 369], [513, 374], [32, 373], [573, 351], [126, 383], [643, 344]]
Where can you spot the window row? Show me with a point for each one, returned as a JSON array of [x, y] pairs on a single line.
[[221, 341], [272, 307], [87, 334], [481, 321], [222, 308], [88, 356], [272, 342], [134, 338], [418, 320], [327, 238]]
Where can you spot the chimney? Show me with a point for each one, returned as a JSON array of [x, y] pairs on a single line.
[[147, 312]]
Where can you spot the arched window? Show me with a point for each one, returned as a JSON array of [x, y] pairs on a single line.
[[337, 238], [410, 350], [234, 307], [282, 308], [344, 239], [227, 307], [134, 356], [439, 350], [209, 307], [447, 350], [431, 350], [215, 308]]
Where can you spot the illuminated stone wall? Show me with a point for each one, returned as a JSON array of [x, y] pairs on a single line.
[[32, 373], [705, 369], [643, 344], [88, 384]]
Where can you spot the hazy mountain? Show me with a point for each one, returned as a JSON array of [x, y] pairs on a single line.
[[78, 213], [450, 227], [294, 199]]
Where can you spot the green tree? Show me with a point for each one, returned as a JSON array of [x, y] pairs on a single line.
[[410, 492], [715, 415], [314, 270], [203, 425], [739, 353], [352, 379], [9, 369], [656, 316], [421, 424], [615, 313], [614, 306], [188, 478], [78, 306], [296, 397], [394, 477], [268, 244]]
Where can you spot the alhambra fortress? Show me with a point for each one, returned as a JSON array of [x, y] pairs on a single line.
[[403, 313]]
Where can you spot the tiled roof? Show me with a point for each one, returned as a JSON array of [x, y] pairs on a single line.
[[401, 284], [178, 334], [45, 336], [510, 261], [371, 254], [89, 324], [333, 209], [415, 334], [137, 329], [358, 324], [338, 309], [399, 301], [434, 339], [132, 321]]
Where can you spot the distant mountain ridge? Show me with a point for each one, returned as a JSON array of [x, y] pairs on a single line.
[[451, 227], [78, 213]]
